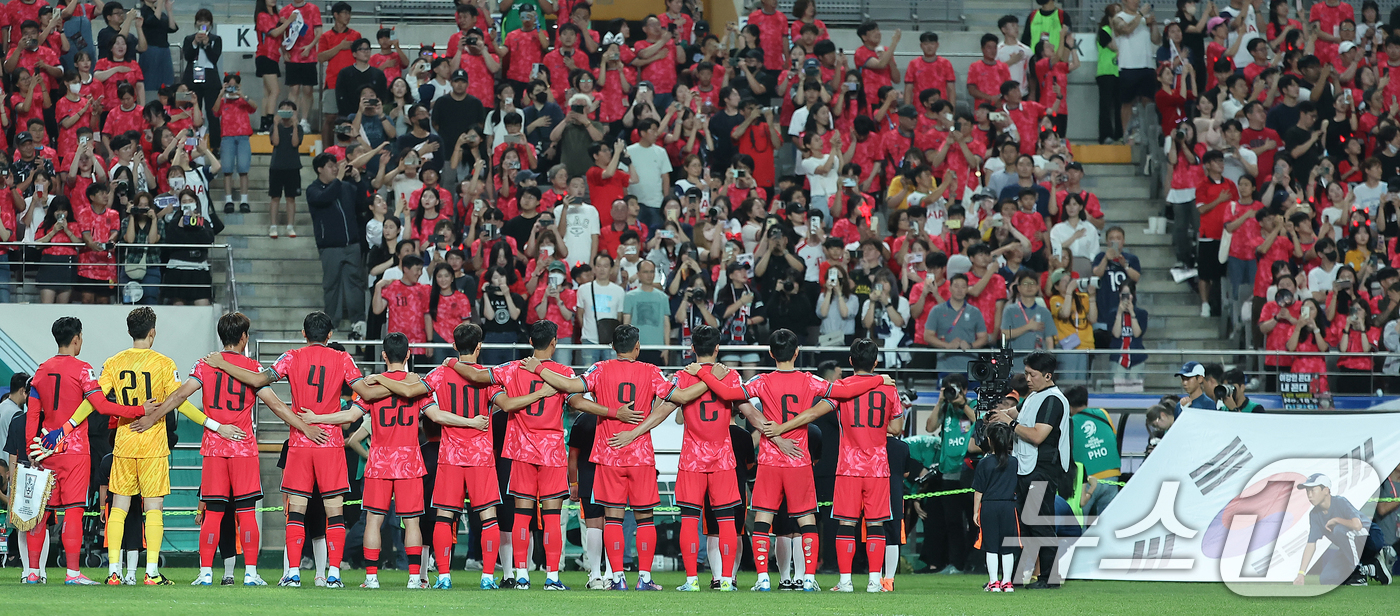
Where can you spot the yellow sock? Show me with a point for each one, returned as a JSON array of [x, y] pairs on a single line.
[[155, 535], [116, 529]]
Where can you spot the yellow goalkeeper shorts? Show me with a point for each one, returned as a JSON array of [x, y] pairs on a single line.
[[149, 477]]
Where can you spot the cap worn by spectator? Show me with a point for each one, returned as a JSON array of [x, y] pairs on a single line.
[[795, 207], [525, 175], [459, 75], [1345, 47], [1214, 21], [1190, 368], [959, 264], [1316, 480], [23, 137], [558, 266], [1075, 166], [1059, 274], [908, 111]]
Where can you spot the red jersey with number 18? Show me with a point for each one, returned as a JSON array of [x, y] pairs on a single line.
[[393, 447], [534, 434], [316, 373], [705, 447], [457, 395], [228, 401], [864, 420], [616, 382]]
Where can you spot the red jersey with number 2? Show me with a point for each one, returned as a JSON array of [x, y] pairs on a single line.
[[315, 373], [616, 382], [393, 447], [463, 398], [535, 434], [705, 447], [864, 420], [228, 401]]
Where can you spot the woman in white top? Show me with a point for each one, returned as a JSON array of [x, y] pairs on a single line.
[[1208, 123], [823, 170], [696, 176], [837, 308], [752, 214], [495, 120], [1076, 234], [884, 315]]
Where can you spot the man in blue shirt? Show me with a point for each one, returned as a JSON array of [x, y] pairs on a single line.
[[1193, 378], [1352, 557]]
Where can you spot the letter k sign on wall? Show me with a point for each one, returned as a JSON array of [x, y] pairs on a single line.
[[239, 37]]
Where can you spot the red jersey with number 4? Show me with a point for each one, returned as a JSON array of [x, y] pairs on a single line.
[[57, 389], [616, 382], [864, 420], [535, 434], [316, 373], [705, 447], [463, 398], [228, 401], [393, 423]]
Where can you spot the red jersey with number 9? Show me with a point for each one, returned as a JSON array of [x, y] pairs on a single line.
[[534, 434], [864, 420], [393, 424], [316, 373], [463, 398], [705, 447], [228, 401], [616, 382]]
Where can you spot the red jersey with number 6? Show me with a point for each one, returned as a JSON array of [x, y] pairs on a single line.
[[463, 398], [705, 447], [616, 382], [864, 420], [316, 373], [393, 423], [228, 401], [534, 434]]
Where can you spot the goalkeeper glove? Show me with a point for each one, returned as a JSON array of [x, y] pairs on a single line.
[[53, 439]]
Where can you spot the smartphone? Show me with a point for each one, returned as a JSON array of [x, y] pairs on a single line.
[[183, 96], [665, 234], [535, 70], [190, 143], [82, 141], [954, 224]]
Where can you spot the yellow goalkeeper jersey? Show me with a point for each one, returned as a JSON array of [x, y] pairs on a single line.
[[135, 376]]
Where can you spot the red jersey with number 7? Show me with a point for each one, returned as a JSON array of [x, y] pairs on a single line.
[[316, 373], [230, 402], [463, 398], [58, 388], [864, 420], [534, 434], [705, 447], [393, 423], [616, 382]]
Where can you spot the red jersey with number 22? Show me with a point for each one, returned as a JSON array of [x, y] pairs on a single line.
[[228, 401], [393, 445], [616, 382], [463, 398], [705, 448], [535, 434], [315, 373], [864, 420]]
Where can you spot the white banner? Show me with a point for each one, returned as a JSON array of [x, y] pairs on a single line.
[[1217, 500], [239, 37]]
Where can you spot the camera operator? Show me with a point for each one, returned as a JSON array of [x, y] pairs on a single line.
[[952, 419], [787, 304], [1230, 395], [776, 262], [502, 315], [1042, 450]]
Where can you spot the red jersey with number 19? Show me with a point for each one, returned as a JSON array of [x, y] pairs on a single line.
[[616, 382], [705, 447], [534, 434], [393, 451], [864, 420], [59, 386], [457, 395], [316, 373], [228, 401]]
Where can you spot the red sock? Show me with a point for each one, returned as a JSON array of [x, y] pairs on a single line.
[[845, 553], [371, 561], [35, 542], [875, 552], [728, 545], [761, 543], [442, 542], [296, 537], [335, 540], [646, 544], [521, 542], [614, 542], [72, 534], [209, 536], [690, 543], [553, 542], [490, 545], [249, 535], [415, 559], [809, 552]]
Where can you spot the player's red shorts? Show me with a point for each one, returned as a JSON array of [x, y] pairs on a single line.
[[854, 495], [455, 484], [620, 486], [693, 486], [309, 468], [772, 483], [537, 482], [406, 494], [230, 479], [71, 475]]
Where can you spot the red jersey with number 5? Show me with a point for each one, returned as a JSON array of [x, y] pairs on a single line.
[[316, 373], [534, 434], [616, 382], [705, 447], [864, 420], [393, 424], [57, 389], [463, 398], [228, 401]]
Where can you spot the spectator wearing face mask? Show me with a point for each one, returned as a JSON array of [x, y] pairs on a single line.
[[556, 301]]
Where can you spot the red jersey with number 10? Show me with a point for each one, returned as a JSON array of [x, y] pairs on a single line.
[[705, 447], [316, 373], [534, 434], [864, 420], [393, 422], [59, 386], [228, 401], [616, 382], [463, 398]]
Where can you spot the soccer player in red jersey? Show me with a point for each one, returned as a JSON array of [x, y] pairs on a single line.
[[626, 462], [316, 373], [63, 392], [780, 474], [863, 467], [229, 477]]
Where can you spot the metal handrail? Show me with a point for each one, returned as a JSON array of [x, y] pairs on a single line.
[[230, 283]]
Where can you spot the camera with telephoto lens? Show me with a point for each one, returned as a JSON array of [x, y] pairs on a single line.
[[992, 374], [473, 41], [1224, 392], [695, 295]]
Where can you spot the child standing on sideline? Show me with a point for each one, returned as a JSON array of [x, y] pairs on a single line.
[[994, 507], [235, 116]]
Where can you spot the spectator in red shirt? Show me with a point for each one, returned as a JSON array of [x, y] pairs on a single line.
[[1213, 193], [985, 77], [235, 114], [773, 33], [1172, 105]]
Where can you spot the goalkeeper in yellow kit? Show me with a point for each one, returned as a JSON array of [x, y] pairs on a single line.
[[141, 457]]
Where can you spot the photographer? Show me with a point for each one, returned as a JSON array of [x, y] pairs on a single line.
[[235, 118], [1128, 324], [952, 419], [884, 316], [1230, 395], [1042, 452], [775, 261], [695, 309], [502, 315], [741, 310], [187, 269], [201, 52], [787, 304], [1095, 445]]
